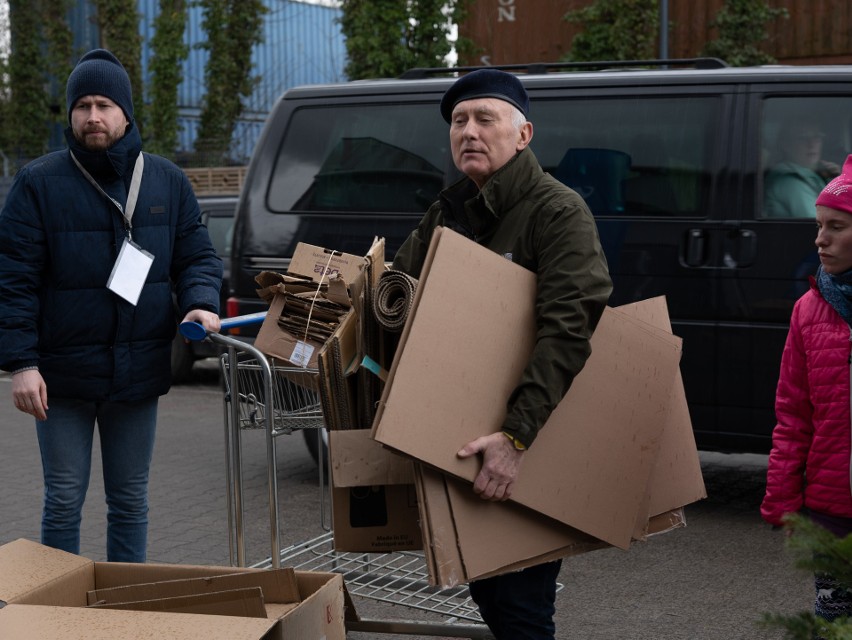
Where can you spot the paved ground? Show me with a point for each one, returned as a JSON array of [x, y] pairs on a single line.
[[712, 580]]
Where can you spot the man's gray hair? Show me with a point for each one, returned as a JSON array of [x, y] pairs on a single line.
[[518, 117]]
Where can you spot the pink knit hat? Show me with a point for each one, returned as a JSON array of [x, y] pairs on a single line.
[[837, 194]]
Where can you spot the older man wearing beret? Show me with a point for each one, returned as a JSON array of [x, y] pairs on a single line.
[[507, 203], [93, 240]]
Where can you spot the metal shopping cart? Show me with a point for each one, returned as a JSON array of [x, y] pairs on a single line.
[[258, 394]]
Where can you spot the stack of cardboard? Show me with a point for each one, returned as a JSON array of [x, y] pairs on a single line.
[[317, 328], [346, 369], [48, 593], [615, 462]]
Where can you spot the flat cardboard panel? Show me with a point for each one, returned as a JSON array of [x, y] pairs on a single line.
[[277, 585], [31, 573], [26, 622], [321, 614], [472, 538], [467, 538], [590, 465], [676, 478], [358, 460], [246, 603]]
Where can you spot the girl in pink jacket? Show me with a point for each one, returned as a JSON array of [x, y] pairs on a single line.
[[813, 437]]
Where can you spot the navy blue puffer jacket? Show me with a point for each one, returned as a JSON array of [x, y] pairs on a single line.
[[59, 239]]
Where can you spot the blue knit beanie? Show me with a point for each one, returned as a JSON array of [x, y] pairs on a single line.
[[486, 83], [100, 73]]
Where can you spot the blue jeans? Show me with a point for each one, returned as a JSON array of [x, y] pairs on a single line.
[[519, 605], [126, 432]]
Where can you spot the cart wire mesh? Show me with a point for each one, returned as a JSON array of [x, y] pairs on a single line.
[[295, 405], [396, 578]]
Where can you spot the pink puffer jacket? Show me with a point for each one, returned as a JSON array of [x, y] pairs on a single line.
[[812, 406]]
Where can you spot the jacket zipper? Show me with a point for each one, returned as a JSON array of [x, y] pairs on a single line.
[[850, 408]]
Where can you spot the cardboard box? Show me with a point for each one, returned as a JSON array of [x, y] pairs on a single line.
[[47, 592], [271, 593], [294, 350], [318, 263], [374, 501], [333, 272], [326, 362], [591, 462]]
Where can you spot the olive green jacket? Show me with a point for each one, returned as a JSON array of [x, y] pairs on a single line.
[[537, 222]]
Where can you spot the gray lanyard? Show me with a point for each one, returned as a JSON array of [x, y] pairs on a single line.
[[132, 195]]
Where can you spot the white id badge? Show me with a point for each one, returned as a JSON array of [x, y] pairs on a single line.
[[130, 271]]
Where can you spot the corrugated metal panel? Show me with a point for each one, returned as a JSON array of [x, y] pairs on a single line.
[[83, 28], [302, 44], [513, 32]]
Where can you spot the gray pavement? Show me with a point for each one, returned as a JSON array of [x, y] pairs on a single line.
[[712, 580]]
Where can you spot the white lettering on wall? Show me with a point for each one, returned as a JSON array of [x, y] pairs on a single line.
[[506, 11]]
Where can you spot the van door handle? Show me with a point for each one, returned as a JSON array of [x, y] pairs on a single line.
[[745, 247], [740, 249], [695, 250]]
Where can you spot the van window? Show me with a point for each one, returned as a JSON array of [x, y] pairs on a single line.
[[631, 156], [361, 158], [804, 142]]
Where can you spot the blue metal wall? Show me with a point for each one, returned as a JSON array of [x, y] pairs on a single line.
[[302, 44]]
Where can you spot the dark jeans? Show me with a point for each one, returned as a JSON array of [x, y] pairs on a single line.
[[519, 605], [126, 432]]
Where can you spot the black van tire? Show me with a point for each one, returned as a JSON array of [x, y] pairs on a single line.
[[311, 441]]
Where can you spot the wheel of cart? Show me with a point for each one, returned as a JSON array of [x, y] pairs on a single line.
[[259, 394]]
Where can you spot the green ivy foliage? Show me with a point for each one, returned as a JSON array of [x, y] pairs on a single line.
[[59, 54], [233, 28], [386, 37], [27, 101], [742, 27], [118, 22], [615, 30], [168, 53]]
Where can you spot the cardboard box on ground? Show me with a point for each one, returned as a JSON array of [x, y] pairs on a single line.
[[49, 593]]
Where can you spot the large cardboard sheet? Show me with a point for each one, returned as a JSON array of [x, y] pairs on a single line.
[[469, 538], [463, 351]]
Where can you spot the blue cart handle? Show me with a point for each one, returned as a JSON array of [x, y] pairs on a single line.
[[195, 331]]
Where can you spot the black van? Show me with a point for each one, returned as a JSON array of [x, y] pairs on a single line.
[[674, 163]]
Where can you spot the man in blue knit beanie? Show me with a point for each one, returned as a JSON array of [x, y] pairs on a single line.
[[96, 243], [100, 72]]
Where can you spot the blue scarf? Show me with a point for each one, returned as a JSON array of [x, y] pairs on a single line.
[[837, 291]]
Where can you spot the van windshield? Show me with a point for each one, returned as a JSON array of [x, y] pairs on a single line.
[[360, 158]]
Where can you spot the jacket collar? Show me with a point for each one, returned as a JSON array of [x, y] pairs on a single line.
[[113, 163], [478, 209]]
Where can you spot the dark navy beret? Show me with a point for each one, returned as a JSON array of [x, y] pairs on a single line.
[[486, 83]]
